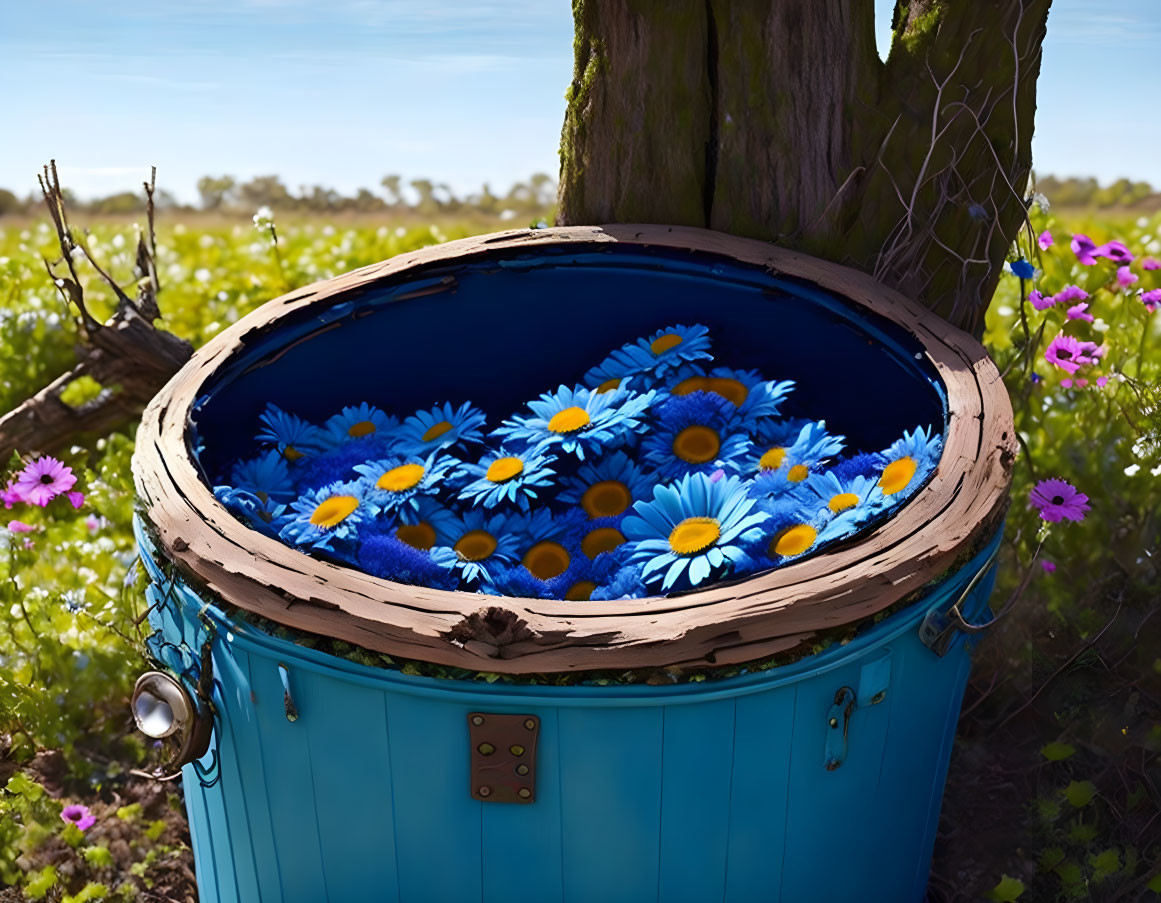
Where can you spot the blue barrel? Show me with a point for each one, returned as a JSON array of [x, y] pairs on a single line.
[[818, 779]]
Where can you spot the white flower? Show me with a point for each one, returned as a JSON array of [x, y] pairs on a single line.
[[202, 274], [1131, 470]]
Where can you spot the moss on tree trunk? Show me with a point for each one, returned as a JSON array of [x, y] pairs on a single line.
[[776, 119]]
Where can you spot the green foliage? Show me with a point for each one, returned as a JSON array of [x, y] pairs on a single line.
[[1057, 751], [1008, 890]]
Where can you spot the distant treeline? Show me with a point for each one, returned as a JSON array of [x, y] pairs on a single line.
[[226, 195], [534, 197]]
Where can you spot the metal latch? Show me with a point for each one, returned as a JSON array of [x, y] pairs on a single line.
[[874, 678], [939, 628], [503, 757]]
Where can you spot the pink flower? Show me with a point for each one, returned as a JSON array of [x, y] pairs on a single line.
[[1083, 247], [1048, 566], [1068, 354], [93, 523], [76, 499], [1071, 293], [1079, 312], [1057, 500], [43, 480], [10, 496], [1126, 277], [78, 815], [1045, 240], [1102, 381], [1066, 383], [19, 526], [1151, 299], [1115, 251], [1151, 263], [1039, 301]]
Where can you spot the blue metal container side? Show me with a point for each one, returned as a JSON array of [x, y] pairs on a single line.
[[710, 791]]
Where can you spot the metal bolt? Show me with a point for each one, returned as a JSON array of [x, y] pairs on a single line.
[[530, 723], [878, 697], [522, 769], [516, 749], [477, 719], [833, 722], [485, 791], [486, 749], [524, 793]]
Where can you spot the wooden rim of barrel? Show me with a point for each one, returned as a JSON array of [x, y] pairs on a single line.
[[742, 621]]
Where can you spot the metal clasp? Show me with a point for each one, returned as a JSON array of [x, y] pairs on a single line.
[[503, 757], [838, 722], [939, 627]]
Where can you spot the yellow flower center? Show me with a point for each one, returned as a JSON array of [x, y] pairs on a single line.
[[503, 469], [897, 475], [290, 453], [664, 343], [798, 473], [693, 535], [418, 536], [333, 511], [697, 444], [546, 560], [842, 501], [609, 385], [581, 591], [729, 389], [608, 498], [693, 384], [602, 539], [436, 430], [793, 540], [362, 428], [772, 459], [569, 420], [401, 478], [475, 545]]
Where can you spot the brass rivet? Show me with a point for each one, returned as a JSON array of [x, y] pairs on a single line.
[[878, 697], [486, 749], [521, 769], [477, 719], [833, 722], [485, 791], [524, 793], [530, 723], [516, 749]]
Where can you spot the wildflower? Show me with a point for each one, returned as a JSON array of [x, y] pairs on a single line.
[[607, 487], [1083, 247], [355, 422], [1023, 268], [19, 526], [859, 495], [1126, 277], [910, 460], [481, 542], [1071, 293], [440, 427], [78, 815], [578, 420], [786, 453], [1068, 353], [508, 476], [1045, 240], [1057, 500], [76, 499], [659, 354], [695, 434], [9, 495], [1151, 263], [43, 480], [691, 530], [292, 436], [1048, 566], [1151, 299], [1080, 312], [1040, 301], [331, 514], [92, 523], [1115, 251], [395, 482]]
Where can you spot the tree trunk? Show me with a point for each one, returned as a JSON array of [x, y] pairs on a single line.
[[776, 119]]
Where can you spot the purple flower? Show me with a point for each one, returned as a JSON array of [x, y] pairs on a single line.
[[1071, 293], [19, 526], [78, 815], [1151, 263], [1115, 251], [1102, 381], [76, 499], [1048, 566], [1080, 312], [1151, 299], [43, 480], [1056, 500], [10, 495], [1039, 301], [1083, 247], [1045, 240], [1069, 354], [1126, 277], [1023, 268]]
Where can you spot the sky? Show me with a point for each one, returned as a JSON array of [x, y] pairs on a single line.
[[342, 92]]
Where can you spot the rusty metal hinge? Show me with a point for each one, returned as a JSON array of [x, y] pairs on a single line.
[[503, 757]]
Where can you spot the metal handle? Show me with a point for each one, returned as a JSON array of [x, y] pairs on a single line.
[[939, 627]]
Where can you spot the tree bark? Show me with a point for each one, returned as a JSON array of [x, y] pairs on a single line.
[[776, 119]]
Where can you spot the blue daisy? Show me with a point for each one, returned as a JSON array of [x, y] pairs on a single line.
[[549, 544], [860, 464], [507, 476], [753, 396], [398, 482], [267, 476], [383, 555], [443, 426], [607, 487], [337, 465], [626, 583], [425, 524], [292, 436], [798, 446], [332, 514], [576, 583], [910, 460], [357, 421], [259, 512], [578, 420], [858, 495], [794, 529], [481, 543], [695, 434], [659, 354], [692, 531]]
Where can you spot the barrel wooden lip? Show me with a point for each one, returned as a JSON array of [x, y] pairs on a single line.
[[743, 621]]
